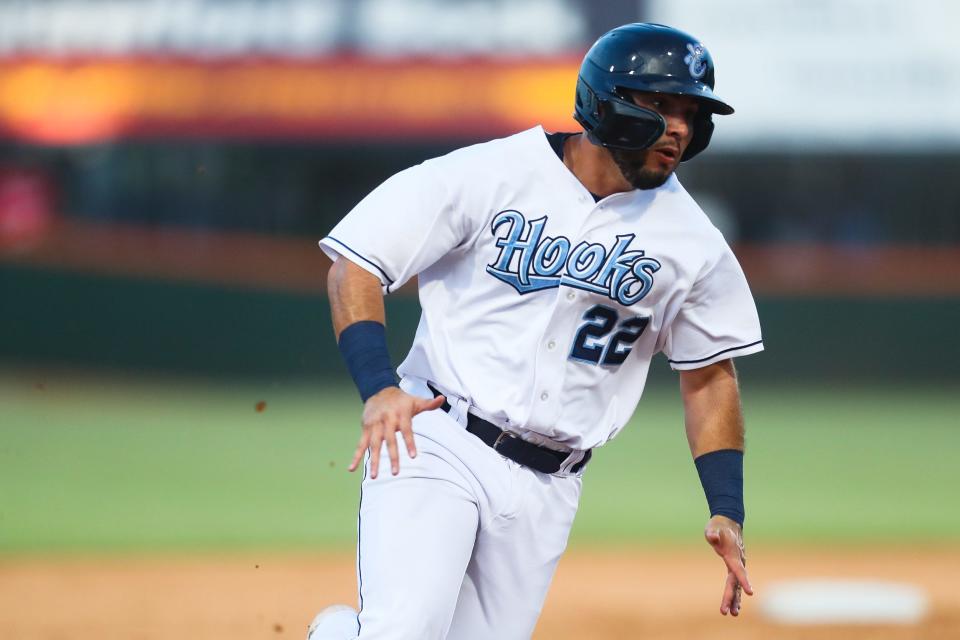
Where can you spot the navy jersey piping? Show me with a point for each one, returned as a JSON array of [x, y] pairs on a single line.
[[718, 353], [369, 262]]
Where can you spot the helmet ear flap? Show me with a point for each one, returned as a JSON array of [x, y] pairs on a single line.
[[587, 108], [587, 103], [613, 122], [702, 132], [627, 126]]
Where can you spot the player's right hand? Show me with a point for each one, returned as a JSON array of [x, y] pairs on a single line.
[[385, 413]]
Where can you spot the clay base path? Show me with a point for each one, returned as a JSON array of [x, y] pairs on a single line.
[[646, 593]]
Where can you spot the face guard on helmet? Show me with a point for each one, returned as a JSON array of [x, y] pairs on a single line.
[[644, 57]]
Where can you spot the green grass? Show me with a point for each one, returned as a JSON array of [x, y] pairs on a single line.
[[143, 465], [823, 465]]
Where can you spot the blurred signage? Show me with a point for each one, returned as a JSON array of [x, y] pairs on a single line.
[[75, 72], [294, 28], [857, 74], [76, 102]]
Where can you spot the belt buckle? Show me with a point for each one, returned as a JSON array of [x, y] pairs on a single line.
[[504, 434]]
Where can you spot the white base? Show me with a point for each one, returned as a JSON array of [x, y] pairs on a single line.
[[336, 622], [829, 601]]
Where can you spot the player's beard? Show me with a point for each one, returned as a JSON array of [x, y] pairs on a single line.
[[632, 165]]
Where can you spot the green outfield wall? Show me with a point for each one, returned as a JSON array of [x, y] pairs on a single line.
[[58, 318]]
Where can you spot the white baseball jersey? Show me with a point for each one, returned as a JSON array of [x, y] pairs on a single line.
[[542, 307]]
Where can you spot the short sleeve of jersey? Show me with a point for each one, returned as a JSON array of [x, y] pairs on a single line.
[[718, 320], [403, 226]]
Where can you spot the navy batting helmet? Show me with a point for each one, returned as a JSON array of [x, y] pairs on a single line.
[[644, 57]]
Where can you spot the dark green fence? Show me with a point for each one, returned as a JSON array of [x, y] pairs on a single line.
[[64, 318]]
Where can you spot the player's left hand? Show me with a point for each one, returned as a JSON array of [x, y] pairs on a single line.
[[726, 538]]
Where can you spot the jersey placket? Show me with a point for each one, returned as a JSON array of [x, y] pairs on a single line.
[[553, 353]]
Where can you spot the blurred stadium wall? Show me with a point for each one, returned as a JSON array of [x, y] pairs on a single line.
[[166, 167]]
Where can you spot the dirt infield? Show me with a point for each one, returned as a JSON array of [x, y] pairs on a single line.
[[657, 594]]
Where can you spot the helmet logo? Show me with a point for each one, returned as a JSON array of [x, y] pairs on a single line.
[[695, 60]]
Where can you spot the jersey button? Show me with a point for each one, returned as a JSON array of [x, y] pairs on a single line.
[[552, 345], [571, 295], [544, 396]]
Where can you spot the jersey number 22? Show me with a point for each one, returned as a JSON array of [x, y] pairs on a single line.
[[589, 344]]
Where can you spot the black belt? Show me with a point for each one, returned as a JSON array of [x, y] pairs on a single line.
[[510, 445]]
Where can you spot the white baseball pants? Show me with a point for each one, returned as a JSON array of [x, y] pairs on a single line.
[[463, 543]]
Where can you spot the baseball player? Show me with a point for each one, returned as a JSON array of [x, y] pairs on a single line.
[[551, 269]]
